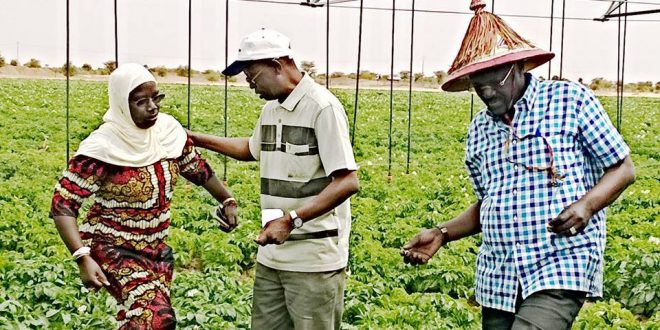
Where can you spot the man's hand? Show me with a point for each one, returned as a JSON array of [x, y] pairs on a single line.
[[91, 274], [572, 220], [422, 247], [276, 231], [190, 134]]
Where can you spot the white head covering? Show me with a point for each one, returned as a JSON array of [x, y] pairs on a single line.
[[119, 141]]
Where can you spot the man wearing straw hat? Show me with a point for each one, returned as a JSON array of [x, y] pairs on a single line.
[[308, 173], [544, 161]]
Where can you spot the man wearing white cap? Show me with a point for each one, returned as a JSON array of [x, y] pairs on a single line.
[[308, 173], [544, 161]]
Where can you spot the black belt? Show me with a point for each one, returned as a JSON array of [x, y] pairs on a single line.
[[314, 235]]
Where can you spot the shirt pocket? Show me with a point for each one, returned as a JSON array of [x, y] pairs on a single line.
[[302, 167], [565, 151]]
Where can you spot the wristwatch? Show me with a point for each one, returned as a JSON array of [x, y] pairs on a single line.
[[297, 222], [444, 232]]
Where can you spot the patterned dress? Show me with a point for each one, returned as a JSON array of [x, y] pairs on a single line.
[[126, 228]]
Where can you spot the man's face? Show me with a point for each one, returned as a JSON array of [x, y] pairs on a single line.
[[262, 77], [497, 87], [144, 104]]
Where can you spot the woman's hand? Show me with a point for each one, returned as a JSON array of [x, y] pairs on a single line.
[[91, 273], [230, 212]]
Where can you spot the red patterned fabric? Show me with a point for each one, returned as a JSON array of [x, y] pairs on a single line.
[[126, 228]]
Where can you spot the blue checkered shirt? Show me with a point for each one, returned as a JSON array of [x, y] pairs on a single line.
[[555, 123]]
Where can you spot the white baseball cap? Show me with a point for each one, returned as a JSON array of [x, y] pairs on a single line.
[[259, 45]]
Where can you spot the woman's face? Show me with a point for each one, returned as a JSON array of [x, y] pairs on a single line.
[[144, 103]]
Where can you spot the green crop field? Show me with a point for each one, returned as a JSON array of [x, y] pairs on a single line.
[[40, 287]]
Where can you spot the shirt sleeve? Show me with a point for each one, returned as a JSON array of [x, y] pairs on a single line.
[[471, 162], [335, 150], [79, 181], [255, 140], [597, 134], [192, 166]]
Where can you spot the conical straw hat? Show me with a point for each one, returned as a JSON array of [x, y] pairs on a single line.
[[490, 42]]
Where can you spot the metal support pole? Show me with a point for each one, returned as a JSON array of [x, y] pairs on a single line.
[[389, 160], [189, 55], [68, 61], [552, 20], [412, 39], [116, 38], [327, 45], [357, 76], [224, 158], [563, 21]]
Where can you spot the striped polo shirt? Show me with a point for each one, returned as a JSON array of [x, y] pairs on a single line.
[[299, 143]]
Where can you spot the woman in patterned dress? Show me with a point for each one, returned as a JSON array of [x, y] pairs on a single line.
[[130, 164]]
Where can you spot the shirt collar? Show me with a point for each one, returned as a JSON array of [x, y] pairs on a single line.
[[304, 85], [526, 101], [529, 96]]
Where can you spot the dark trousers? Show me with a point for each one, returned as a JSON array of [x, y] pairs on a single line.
[[546, 310]]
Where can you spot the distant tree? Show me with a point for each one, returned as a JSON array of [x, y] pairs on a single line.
[[33, 63], [182, 71], [337, 75], [72, 69], [309, 67], [161, 71], [601, 84], [87, 67], [352, 75], [657, 87], [212, 75], [108, 67], [419, 76], [2, 61], [645, 86], [440, 76], [405, 75], [13, 63], [367, 75]]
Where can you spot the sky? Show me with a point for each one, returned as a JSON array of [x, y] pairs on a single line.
[[155, 32]]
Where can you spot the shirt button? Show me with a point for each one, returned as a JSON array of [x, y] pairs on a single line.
[[513, 142], [515, 218], [518, 244], [515, 167], [515, 191]]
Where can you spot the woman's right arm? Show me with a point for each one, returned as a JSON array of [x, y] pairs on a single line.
[[90, 272], [78, 182]]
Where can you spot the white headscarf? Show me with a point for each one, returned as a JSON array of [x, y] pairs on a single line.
[[119, 141]]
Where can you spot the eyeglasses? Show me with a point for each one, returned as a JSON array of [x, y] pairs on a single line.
[[144, 101], [251, 80], [490, 85], [507, 76], [555, 176]]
